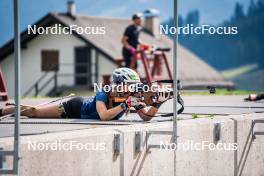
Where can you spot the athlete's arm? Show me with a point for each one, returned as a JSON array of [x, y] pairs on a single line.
[[147, 115], [107, 114]]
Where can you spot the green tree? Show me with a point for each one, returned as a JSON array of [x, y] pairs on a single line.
[[239, 13]]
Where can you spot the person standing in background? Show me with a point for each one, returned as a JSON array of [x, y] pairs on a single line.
[[130, 39]]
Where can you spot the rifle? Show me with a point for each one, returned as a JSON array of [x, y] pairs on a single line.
[[148, 97]]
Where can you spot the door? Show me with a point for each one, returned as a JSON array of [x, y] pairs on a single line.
[[83, 66]]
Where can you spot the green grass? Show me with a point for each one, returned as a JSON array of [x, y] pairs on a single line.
[[233, 73], [196, 116]]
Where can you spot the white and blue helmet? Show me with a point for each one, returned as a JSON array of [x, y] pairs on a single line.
[[125, 75]]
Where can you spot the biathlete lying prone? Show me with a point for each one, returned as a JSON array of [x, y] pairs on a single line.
[[94, 107]]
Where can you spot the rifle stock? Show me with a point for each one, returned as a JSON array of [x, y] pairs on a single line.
[[149, 97]]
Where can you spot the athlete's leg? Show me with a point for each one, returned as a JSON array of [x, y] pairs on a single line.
[[68, 109], [47, 111], [10, 109]]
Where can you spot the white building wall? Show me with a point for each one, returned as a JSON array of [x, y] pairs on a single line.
[[31, 61], [105, 67]]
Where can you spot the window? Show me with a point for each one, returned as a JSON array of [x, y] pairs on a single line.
[[49, 60]]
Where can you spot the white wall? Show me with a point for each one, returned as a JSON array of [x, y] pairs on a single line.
[[31, 61], [191, 159], [105, 67]]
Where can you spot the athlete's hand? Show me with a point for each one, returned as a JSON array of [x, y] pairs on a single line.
[[135, 103], [132, 102], [163, 96], [140, 106]]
